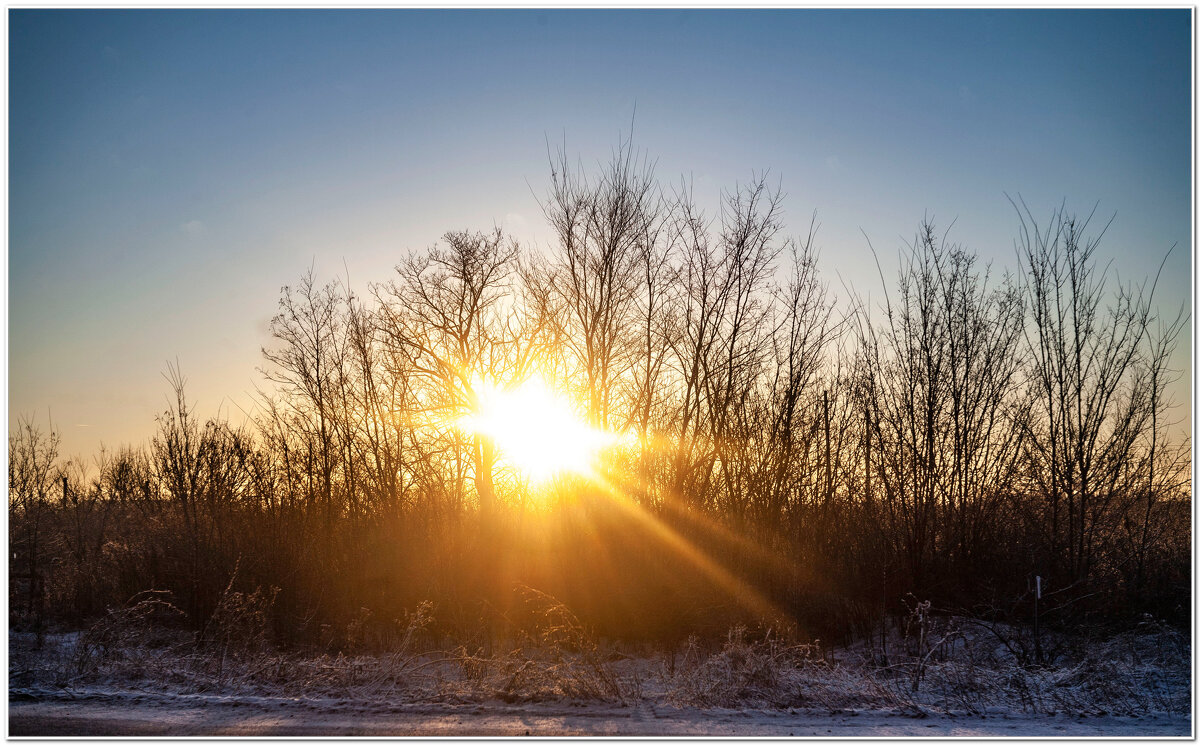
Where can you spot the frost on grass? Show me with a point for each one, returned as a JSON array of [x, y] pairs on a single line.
[[942, 666]]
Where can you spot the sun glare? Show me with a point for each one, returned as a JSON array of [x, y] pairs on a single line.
[[537, 431]]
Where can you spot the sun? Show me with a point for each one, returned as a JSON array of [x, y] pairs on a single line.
[[536, 430]]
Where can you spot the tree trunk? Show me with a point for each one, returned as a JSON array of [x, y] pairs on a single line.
[[485, 457]]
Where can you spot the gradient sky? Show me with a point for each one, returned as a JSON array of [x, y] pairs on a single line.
[[169, 171]]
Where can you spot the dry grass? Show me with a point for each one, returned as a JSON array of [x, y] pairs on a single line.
[[943, 667], [135, 647]]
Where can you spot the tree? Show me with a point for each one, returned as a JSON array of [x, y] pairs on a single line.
[[308, 364], [451, 321], [32, 464], [1093, 397], [607, 231], [941, 389]]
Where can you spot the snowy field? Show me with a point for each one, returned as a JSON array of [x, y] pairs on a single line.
[[131, 679]]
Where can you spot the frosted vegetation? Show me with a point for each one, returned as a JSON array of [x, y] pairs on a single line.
[[924, 665], [658, 461]]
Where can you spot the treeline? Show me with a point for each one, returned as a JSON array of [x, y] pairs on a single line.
[[784, 459]]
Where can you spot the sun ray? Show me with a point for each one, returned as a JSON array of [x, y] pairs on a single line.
[[750, 598]]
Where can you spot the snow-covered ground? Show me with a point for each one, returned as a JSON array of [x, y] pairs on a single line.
[[101, 713], [135, 679]]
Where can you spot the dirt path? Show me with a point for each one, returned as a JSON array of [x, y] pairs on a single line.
[[211, 716]]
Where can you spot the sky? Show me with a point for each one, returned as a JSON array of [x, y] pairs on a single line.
[[169, 171]]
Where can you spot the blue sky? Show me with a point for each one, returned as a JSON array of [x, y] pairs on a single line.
[[169, 171]]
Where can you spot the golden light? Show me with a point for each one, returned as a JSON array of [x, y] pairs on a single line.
[[536, 430]]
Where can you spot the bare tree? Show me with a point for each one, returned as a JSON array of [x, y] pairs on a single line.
[[450, 317], [1092, 401], [751, 221], [308, 364], [379, 394], [801, 346], [941, 386], [607, 230], [1167, 465], [32, 467], [177, 453], [723, 306]]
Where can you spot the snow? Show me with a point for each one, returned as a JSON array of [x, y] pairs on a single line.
[[156, 684], [110, 712]]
